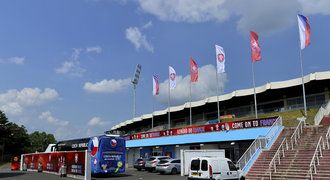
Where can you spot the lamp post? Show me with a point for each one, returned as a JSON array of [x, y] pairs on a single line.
[[134, 82]]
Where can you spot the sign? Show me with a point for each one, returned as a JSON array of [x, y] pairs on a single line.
[[223, 126], [74, 161]]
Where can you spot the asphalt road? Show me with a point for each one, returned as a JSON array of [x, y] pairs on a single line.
[[130, 174]]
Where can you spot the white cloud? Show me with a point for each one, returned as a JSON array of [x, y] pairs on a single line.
[[94, 49], [72, 66], [96, 121], [13, 60], [47, 116], [205, 87], [265, 16], [14, 101], [135, 36], [107, 86]]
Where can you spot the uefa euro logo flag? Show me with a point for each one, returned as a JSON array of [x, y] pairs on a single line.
[[304, 31], [172, 77], [221, 58], [155, 85]]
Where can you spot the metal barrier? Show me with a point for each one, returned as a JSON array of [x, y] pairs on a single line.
[[297, 133], [323, 111], [261, 142], [316, 157], [278, 155]]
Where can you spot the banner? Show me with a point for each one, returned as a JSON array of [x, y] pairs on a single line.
[[155, 85], [51, 162], [172, 77], [223, 126], [193, 70], [221, 58], [255, 48]]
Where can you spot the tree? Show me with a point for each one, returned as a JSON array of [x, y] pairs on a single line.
[[39, 141]]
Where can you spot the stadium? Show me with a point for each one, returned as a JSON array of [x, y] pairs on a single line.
[[282, 98]]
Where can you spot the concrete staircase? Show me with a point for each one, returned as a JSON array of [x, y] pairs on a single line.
[[295, 164]]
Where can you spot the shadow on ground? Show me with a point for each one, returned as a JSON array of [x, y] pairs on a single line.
[[10, 174], [96, 176]]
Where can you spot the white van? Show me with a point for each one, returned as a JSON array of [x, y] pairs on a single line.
[[216, 168]]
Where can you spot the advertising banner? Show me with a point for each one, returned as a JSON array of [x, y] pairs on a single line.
[[74, 161], [223, 126]]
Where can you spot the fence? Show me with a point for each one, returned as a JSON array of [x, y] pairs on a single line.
[[77, 163]]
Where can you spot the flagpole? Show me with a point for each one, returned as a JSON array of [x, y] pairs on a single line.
[[303, 83], [218, 106], [169, 105], [190, 105], [254, 92], [152, 116]]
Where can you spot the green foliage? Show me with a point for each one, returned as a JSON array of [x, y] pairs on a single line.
[[15, 140], [39, 141]]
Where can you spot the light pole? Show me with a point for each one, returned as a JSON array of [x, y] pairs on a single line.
[[134, 82]]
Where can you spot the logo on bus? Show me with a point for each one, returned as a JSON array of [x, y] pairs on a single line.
[[113, 143], [95, 146]]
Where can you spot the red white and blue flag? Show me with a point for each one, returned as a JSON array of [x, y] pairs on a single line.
[[155, 85], [193, 70], [255, 48], [304, 31]]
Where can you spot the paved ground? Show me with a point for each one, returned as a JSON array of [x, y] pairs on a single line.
[[131, 174]]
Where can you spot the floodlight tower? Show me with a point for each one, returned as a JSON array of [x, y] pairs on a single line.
[[134, 82]]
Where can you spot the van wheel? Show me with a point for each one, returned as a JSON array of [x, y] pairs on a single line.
[[174, 171]]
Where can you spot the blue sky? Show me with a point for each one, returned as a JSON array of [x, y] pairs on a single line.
[[66, 65]]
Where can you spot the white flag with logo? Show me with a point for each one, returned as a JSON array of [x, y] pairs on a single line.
[[172, 77], [220, 57]]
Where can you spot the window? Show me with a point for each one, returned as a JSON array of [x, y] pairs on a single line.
[[204, 165], [195, 164], [176, 161], [232, 166]]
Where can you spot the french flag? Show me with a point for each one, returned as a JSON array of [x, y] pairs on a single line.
[[304, 31]]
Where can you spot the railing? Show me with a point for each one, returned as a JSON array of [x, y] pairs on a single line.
[[259, 143], [316, 157], [323, 111], [297, 133], [283, 146]]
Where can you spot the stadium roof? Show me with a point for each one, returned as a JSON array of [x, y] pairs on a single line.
[[232, 135], [238, 93]]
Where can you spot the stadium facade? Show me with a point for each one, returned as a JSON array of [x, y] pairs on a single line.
[[207, 133]]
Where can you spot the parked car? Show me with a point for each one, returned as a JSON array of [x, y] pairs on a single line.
[[216, 168], [169, 166], [153, 161], [140, 164]]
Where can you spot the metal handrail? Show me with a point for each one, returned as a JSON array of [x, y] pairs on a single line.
[[296, 134], [318, 150], [327, 136], [278, 155], [259, 143]]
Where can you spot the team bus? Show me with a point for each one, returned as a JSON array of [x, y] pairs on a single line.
[[107, 152]]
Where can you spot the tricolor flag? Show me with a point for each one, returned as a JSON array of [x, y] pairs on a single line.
[[220, 57], [155, 85], [172, 77], [255, 48], [193, 70], [304, 31]]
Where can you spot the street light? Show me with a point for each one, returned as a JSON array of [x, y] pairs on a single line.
[[134, 82]]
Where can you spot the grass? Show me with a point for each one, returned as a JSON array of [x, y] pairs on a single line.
[[289, 117]]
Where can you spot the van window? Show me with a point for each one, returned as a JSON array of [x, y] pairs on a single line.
[[176, 161], [204, 165], [195, 164], [232, 166]]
